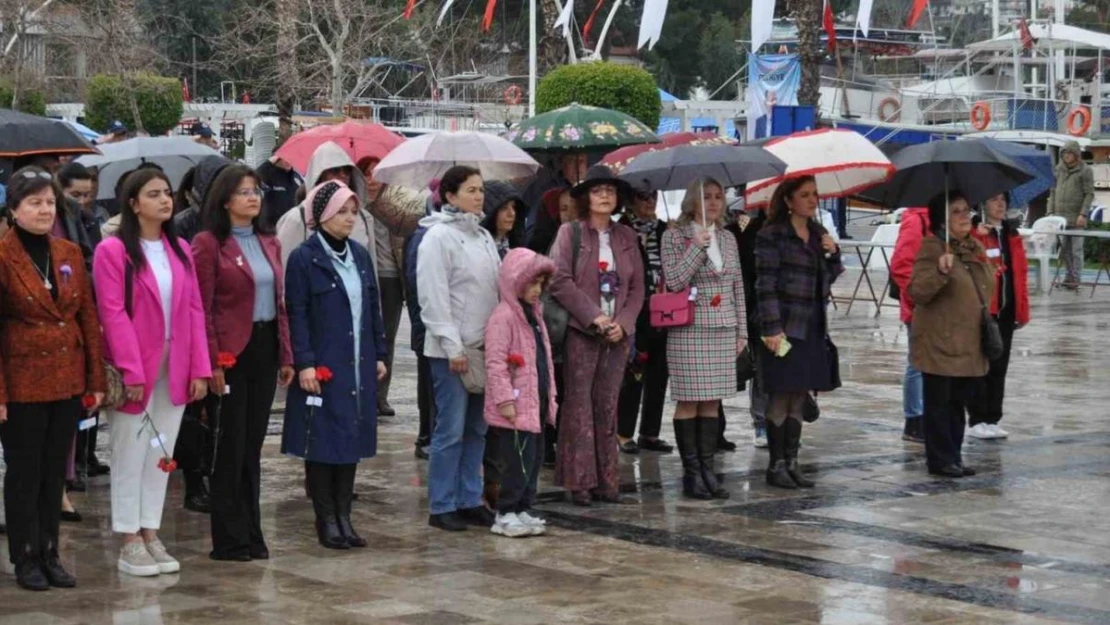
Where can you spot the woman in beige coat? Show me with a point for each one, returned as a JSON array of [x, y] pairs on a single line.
[[949, 283]]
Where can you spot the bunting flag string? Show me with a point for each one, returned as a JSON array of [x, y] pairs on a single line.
[[763, 17], [564, 18], [651, 23], [590, 22], [830, 25], [487, 19]]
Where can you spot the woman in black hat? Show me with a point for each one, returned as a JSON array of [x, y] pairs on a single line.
[[601, 284]]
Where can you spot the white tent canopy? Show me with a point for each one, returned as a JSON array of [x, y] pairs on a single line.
[[1055, 36]]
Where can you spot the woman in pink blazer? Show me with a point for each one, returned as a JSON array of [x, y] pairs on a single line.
[[243, 288], [153, 324]]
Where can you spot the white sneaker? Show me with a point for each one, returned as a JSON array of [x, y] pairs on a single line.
[[759, 438], [166, 563], [981, 431], [510, 525], [998, 432], [536, 524], [134, 559]]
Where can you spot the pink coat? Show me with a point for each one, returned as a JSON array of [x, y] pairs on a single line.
[[134, 344], [508, 333]]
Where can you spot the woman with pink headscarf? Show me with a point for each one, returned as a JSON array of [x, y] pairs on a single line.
[[339, 352]]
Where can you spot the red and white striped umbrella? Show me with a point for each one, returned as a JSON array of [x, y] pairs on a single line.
[[842, 161]]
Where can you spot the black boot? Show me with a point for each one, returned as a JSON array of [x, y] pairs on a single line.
[[196, 493], [777, 474], [29, 575], [793, 429], [708, 431], [323, 504], [344, 493], [52, 568], [686, 438]]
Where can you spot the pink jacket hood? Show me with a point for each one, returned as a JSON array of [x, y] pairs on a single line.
[[508, 334]]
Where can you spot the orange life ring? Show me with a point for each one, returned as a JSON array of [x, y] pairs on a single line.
[[1085, 124], [980, 116], [513, 95], [892, 115]]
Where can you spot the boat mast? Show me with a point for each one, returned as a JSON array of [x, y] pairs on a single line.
[[532, 58]]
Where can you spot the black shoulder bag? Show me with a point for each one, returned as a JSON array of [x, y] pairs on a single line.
[[555, 315], [990, 336]]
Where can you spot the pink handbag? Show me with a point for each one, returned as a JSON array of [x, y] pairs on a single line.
[[671, 309]]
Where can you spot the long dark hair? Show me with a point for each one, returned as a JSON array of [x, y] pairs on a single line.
[[129, 229], [217, 220], [779, 211]]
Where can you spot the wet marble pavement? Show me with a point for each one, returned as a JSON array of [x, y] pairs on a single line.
[[878, 541]]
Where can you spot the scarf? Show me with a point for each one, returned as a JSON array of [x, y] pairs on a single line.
[[648, 229]]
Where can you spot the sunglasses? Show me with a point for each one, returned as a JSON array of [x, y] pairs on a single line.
[[31, 175]]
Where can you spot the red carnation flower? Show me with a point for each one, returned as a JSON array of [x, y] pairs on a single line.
[[225, 360], [603, 266], [716, 301], [324, 374], [169, 465], [88, 401], [641, 358], [515, 360]]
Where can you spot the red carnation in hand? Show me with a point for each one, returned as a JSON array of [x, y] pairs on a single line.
[[323, 374], [225, 360], [169, 465], [515, 360], [641, 358], [88, 401], [716, 301], [603, 266]]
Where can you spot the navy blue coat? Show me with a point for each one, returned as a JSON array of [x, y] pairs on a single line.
[[345, 429]]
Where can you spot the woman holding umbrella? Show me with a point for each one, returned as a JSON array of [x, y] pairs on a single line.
[[796, 263], [951, 279], [698, 254], [603, 292]]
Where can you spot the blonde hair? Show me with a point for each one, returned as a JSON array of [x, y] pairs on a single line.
[[695, 194]]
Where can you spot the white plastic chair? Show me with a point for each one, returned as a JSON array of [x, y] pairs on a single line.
[[887, 234], [1043, 246], [1099, 214]]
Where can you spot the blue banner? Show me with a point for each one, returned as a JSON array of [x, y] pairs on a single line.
[[772, 79]]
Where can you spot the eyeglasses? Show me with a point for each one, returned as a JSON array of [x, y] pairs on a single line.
[[255, 192], [31, 175]]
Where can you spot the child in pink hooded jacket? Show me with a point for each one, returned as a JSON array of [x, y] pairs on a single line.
[[520, 387]]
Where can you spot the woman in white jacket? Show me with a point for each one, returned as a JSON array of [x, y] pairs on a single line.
[[456, 279]]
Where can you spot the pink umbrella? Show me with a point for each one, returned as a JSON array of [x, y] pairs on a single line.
[[617, 160], [358, 139]]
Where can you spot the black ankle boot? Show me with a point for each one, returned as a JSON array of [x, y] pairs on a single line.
[[777, 474], [344, 494], [329, 534], [708, 430], [196, 493], [29, 575], [686, 439], [793, 429]]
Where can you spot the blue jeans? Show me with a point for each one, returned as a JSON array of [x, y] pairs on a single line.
[[458, 442], [913, 392]]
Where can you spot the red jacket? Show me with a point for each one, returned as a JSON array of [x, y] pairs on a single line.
[[1020, 273], [227, 290], [914, 227]]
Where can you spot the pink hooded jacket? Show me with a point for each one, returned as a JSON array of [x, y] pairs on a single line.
[[508, 334]]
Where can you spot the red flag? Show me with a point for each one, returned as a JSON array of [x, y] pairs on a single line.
[[1027, 40], [185, 90], [916, 11], [409, 9], [830, 25], [590, 22], [487, 19]]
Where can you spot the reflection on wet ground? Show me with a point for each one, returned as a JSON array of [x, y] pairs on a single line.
[[878, 541]]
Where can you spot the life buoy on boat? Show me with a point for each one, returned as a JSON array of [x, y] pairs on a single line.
[[980, 116], [890, 110], [513, 95], [1083, 114]]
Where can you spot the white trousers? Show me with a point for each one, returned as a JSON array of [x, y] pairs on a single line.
[[138, 485]]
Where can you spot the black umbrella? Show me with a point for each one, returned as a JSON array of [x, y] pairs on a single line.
[[977, 168], [27, 135], [678, 167]]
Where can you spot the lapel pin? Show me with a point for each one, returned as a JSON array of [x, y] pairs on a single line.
[[239, 260]]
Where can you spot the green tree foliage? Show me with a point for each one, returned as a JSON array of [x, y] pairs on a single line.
[[176, 25], [30, 100], [158, 98], [718, 43], [623, 88]]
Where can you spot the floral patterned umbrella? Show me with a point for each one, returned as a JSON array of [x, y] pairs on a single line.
[[578, 127]]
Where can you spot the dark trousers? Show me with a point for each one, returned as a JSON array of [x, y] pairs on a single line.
[[521, 458], [652, 387], [946, 400], [195, 440], [84, 452], [987, 407], [425, 400], [551, 432], [244, 415], [392, 292], [37, 439], [333, 489]]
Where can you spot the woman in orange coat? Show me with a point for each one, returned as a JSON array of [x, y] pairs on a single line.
[[50, 356]]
